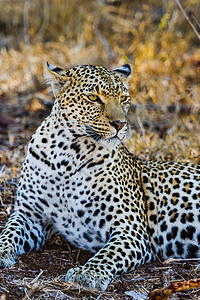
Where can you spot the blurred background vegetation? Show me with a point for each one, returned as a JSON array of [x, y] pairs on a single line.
[[154, 36]]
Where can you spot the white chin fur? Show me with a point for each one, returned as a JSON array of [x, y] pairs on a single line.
[[110, 143]]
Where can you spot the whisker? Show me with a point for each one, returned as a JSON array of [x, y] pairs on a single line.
[[92, 133]]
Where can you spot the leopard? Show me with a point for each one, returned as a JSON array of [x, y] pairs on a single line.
[[79, 180]]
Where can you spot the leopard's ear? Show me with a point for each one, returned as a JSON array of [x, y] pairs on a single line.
[[124, 73], [56, 77]]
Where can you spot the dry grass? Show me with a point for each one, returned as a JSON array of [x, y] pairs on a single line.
[[164, 52]]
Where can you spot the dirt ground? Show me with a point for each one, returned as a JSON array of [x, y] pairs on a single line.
[[163, 49], [40, 274]]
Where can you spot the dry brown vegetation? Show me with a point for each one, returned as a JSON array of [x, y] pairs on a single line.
[[163, 48]]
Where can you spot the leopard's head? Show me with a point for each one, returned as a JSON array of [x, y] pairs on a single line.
[[93, 99]]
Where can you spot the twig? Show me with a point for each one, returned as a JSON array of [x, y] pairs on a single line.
[[33, 289], [37, 277], [34, 286], [187, 18], [170, 260]]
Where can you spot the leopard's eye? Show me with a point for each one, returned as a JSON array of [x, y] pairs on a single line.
[[124, 99], [93, 97]]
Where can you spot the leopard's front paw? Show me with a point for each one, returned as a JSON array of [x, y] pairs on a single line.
[[7, 257], [89, 278]]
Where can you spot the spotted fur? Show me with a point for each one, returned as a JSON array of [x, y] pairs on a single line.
[[78, 179]]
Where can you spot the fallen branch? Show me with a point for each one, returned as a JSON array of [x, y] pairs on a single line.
[[164, 293], [187, 18]]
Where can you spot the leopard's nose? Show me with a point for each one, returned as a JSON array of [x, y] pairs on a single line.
[[118, 125]]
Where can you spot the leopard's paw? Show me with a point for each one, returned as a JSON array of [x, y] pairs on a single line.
[[7, 257], [89, 278]]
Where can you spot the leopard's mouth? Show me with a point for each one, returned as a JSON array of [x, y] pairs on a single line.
[[115, 139]]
